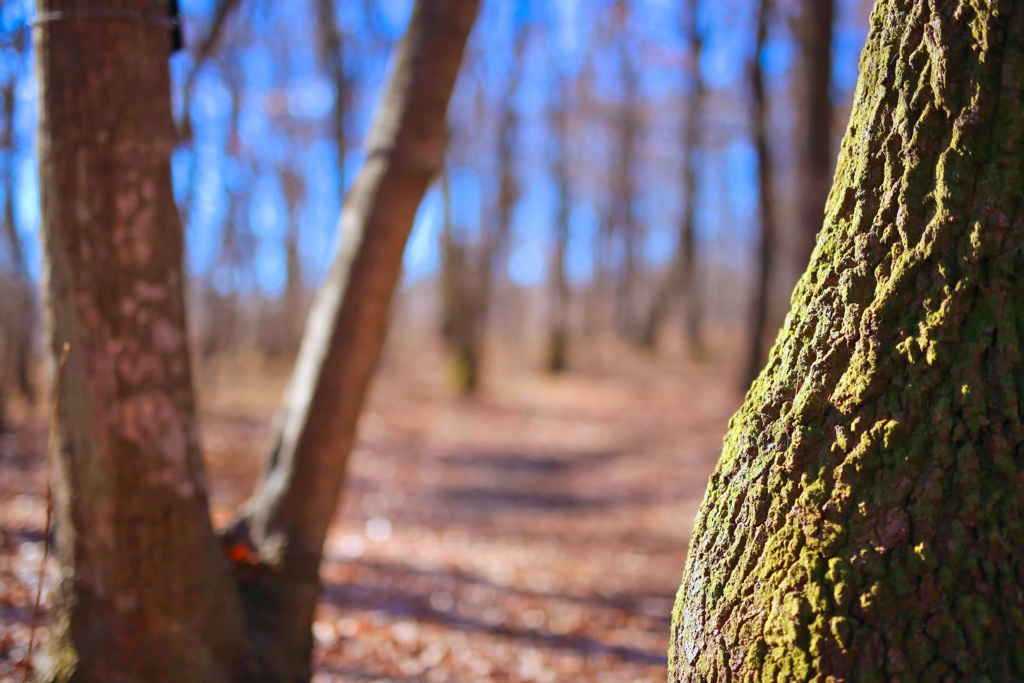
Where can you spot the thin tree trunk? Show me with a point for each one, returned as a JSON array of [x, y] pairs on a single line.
[[624, 184], [145, 593], [681, 276], [765, 261], [221, 314], [292, 314], [864, 522], [476, 278], [287, 518], [23, 329], [689, 284], [817, 162], [558, 330], [331, 43]]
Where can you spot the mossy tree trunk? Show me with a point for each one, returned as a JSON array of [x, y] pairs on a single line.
[[865, 522]]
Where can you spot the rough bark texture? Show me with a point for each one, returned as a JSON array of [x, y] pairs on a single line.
[[287, 518], [865, 521], [144, 591]]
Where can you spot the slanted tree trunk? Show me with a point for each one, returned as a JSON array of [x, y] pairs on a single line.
[[765, 256], [817, 31], [865, 520], [286, 519], [146, 593]]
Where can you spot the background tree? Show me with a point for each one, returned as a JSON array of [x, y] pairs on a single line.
[[816, 36], [472, 259], [765, 255], [681, 280], [864, 521], [18, 310], [558, 330], [145, 588]]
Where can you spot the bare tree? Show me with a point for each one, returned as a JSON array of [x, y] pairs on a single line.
[[623, 209], [331, 45], [558, 322], [681, 279], [286, 519], [472, 268], [766, 209], [19, 309], [146, 592], [816, 30]]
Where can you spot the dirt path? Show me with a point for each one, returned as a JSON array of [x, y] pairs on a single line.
[[535, 534]]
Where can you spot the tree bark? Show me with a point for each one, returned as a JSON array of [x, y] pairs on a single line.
[[865, 520], [287, 518], [145, 593], [765, 262]]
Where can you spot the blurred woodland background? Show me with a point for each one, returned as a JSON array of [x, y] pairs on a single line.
[[632, 189]]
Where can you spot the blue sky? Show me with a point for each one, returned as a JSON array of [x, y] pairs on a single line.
[[286, 98]]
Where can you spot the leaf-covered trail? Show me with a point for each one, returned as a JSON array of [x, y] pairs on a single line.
[[537, 533]]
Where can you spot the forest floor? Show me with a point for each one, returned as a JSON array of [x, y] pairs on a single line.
[[536, 533]]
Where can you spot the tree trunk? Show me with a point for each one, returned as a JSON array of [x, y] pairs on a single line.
[[287, 518], [865, 520], [145, 593], [331, 44], [627, 130], [689, 285], [475, 279], [558, 330], [22, 330], [766, 203], [681, 277], [817, 105], [291, 317]]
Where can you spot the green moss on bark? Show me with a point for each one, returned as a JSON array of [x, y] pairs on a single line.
[[864, 522]]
